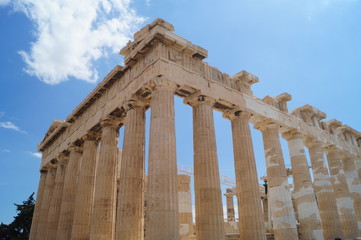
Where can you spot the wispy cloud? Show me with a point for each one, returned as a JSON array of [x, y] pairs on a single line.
[[4, 2], [5, 150], [35, 154], [12, 126], [72, 35]]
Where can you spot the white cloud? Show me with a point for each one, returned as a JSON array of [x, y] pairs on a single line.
[[6, 150], [4, 2], [72, 34], [12, 126], [35, 154]]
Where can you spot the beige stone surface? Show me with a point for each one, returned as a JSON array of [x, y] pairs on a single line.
[[185, 205], [156, 54], [162, 220], [303, 193], [66, 213], [230, 206], [56, 201], [326, 199], [45, 203], [251, 223], [344, 202], [353, 183], [103, 216], [209, 209], [37, 209], [130, 212], [279, 195], [85, 189]]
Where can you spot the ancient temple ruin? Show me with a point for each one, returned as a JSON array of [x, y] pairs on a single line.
[[89, 189]]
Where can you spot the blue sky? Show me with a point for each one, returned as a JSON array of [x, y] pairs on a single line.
[[54, 52]]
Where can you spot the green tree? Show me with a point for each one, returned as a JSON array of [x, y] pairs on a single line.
[[19, 229]]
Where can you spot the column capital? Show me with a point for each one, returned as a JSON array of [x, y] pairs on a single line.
[[136, 102], [63, 157], [292, 134], [111, 122], [198, 98], [162, 82], [266, 124], [237, 113], [331, 149], [229, 194], [76, 148], [312, 143], [91, 136]]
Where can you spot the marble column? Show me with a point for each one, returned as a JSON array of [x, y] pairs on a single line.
[[208, 196], [39, 198], [103, 216], [45, 204], [55, 205], [354, 184], [343, 197], [66, 214], [251, 224], [162, 218], [185, 205], [303, 193], [230, 206], [326, 199], [279, 195], [130, 212], [85, 188], [358, 166]]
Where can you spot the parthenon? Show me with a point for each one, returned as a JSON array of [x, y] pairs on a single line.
[[90, 189]]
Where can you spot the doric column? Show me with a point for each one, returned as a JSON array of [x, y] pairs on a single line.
[[208, 196], [230, 206], [67, 203], [85, 188], [279, 195], [185, 205], [358, 166], [343, 197], [251, 224], [130, 212], [45, 204], [162, 218], [303, 193], [354, 184], [103, 216], [39, 198], [55, 205], [326, 199]]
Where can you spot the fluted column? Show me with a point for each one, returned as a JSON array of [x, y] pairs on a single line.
[[162, 218], [45, 205], [230, 206], [358, 166], [208, 196], [67, 203], [354, 184], [185, 205], [103, 216], [303, 193], [55, 205], [37, 210], [343, 197], [251, 224], [326, 199], [279, 195], [85, 188], [130, 212]]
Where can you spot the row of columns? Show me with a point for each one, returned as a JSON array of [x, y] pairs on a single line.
[[78, 198]]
